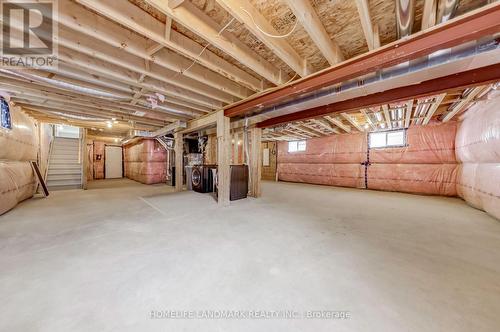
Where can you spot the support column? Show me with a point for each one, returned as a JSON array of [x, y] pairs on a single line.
[[179, 151], [84, 156], [223, 158], [255, 164]]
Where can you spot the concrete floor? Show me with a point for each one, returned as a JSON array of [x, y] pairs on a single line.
[[103, 259]]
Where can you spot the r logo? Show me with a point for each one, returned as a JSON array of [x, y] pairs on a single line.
[[27, 27]]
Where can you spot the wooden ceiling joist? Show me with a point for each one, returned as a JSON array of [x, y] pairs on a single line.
[[114, 35], [387, 116], [338, 123], [305, 13], [408, 113], [309, 129], [371, 33], [244, 12], [462, 104], [137, 20], [195, 20], [98, 67], [43, 92], [429, 14], [468, 27], [99, 115], [368, 119], [430, 113], [92, 47], [352, 121], [324, 124]]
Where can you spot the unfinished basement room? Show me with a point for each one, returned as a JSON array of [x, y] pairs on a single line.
[[250, 165]]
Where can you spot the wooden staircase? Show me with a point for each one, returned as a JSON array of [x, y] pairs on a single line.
[[65, 169]]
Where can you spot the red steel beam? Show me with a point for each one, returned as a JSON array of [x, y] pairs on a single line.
[[472, 26], [475, 77]]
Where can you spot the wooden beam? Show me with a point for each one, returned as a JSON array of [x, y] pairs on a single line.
[[255, 162], [254, 21], [468, 27], [87, 45], [223, 158], [201, 123], [195, 20], [325, 124], [463, 104], [366, 23], [26, 89], [469, 78], [387, 116], [174, 3], [100, 68], [409, 109], [429, 14], [81, 50], [338, 123], [352, 121], [305, 13], [369, 120], [112, 34], [137, 20], [172, 127], [308, 129], [179, 156], [433, 108]]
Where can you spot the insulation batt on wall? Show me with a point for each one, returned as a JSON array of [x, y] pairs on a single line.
[[427, 165], [145, 161], [19, 146], [478, 149]]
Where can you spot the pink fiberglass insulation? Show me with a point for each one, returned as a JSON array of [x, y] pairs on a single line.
[[336, 149], [430, 144], [21, 142], [428, 179], [478, 148], [478, 184], [146, 172], [17, 183], [146, 150], [427, 165], [18, 146], [342, 175], [146, 161]]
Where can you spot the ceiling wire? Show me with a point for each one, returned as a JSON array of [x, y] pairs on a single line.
[[266, 33], [182, 71]]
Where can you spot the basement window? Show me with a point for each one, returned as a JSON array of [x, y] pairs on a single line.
[[296, 146], [6, 121], [387, 139]]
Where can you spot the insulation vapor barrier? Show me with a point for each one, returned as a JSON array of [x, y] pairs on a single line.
[[19, 146], [430, 144], [17, 183], [427, 165], [146, 161], [478, 149]]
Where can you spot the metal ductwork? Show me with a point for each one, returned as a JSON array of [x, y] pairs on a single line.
[[405, 15], [446, 10], [463, 57]]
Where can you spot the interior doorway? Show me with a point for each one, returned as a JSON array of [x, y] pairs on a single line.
[[113, 162]]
